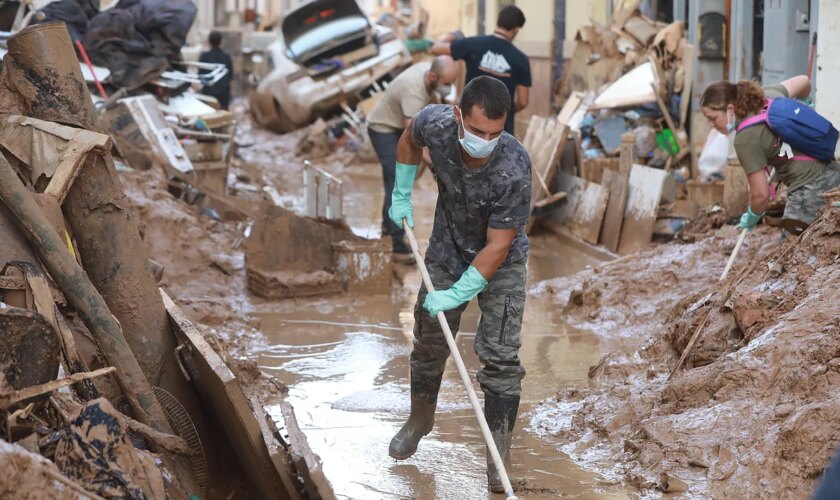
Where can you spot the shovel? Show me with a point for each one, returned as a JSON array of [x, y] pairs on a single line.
[[462, 370]]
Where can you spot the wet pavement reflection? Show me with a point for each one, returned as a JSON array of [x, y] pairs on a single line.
[[345, 361]]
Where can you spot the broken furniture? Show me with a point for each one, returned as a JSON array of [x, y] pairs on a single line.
[[143, 136]]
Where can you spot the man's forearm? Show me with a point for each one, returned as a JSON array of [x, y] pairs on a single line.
[[490, 258]]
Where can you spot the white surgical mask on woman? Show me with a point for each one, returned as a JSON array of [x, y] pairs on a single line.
[[474, 145], [730, 121]]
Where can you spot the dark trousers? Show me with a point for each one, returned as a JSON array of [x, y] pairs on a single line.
[[497, 340], [385, 146]]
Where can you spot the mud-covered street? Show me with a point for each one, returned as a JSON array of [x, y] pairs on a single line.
[[239, 241], [345, 361]]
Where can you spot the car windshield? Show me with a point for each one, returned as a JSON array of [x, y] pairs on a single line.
[[324, 34]]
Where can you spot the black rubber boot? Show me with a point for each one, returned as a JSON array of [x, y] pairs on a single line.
[[424, 393], [500, 412]]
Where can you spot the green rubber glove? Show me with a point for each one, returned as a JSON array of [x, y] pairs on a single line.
[[401, 196], [749, 219], [464, 290]]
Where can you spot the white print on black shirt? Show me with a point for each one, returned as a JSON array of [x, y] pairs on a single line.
[[495, 63]]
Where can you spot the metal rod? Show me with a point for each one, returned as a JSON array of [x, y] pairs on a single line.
[[462, 370], [99, 86]]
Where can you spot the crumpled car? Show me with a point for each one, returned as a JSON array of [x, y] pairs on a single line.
[[328, 53]]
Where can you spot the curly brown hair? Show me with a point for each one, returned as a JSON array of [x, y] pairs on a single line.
[[747, 96]]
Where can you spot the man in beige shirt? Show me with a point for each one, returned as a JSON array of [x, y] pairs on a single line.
[[407, 94]]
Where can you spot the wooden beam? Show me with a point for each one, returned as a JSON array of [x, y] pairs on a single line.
[[10, 398]]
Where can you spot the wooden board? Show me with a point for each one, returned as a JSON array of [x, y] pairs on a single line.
[[535, 128], [589, 215], [219, 389], [688, 67], [593, 169], [586, 203], [643, 196], [570, 106], [544, 142], [317, 484], [616, 182], [616, 185]]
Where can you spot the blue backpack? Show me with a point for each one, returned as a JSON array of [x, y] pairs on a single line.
[[799, 125]]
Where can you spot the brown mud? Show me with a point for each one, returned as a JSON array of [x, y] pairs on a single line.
[[751, 414], [344, 358], [754, 412]]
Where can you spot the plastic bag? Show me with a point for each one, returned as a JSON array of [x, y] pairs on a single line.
[[713, 158]]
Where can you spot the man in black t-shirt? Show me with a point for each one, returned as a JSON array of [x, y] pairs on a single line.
[[221, 89], [496, 56]]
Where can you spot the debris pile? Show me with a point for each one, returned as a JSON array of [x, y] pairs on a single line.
[[136, 40], [100, 371], [766, 354], [621, 182], [632, 76]]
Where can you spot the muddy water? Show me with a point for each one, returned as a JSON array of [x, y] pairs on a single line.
[[345, 360]]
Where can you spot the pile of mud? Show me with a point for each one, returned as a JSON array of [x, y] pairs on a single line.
[[755, 409], [203, 270]]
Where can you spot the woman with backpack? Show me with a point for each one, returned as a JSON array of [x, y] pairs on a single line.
[[776, 132]]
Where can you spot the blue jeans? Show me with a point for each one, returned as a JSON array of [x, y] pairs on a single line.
[[385, 145]]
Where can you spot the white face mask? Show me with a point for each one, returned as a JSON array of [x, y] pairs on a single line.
[[444, 89], [730, 121], [474, 145]]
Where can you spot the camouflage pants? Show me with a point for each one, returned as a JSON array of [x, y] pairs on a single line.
[[497, 341], [804, 203]]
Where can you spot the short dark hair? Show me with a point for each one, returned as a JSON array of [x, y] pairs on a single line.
[[215, 39], [511, 17], [489, 94]]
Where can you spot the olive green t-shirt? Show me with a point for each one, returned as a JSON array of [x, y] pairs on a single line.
[[756, 146]]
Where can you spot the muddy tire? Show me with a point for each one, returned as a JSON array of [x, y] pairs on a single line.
[[268, 113]]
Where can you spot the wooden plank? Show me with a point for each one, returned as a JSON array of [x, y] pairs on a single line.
[[643, 196], [44, 302], [679, 134], [616, 183], [688, 68], [571, 185], [536, 129], [65, 174], [316, 482], [681, 209], [589, 215], [551, 199], [570, 106], [10, 398], [545, 159], [584, 209]]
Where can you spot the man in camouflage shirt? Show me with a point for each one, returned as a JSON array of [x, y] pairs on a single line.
[[478, 248]]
